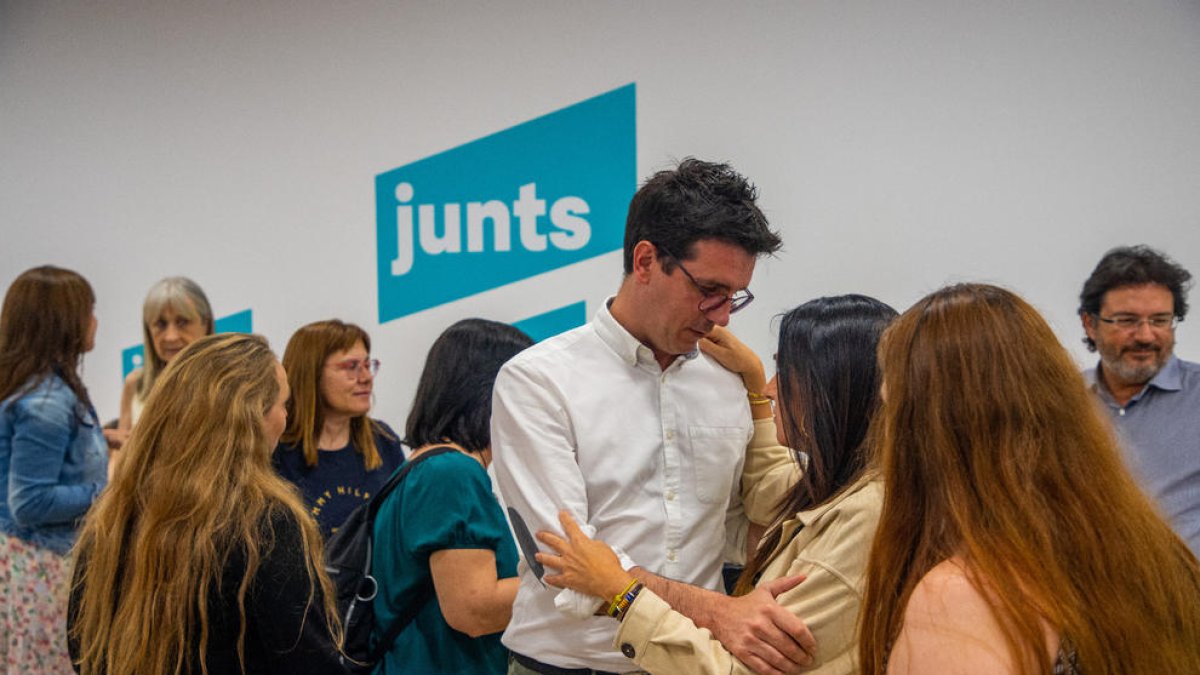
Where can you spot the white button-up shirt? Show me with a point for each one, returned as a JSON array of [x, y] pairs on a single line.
[[645, 459]]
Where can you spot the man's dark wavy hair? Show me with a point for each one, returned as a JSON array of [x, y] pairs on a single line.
[[1134, 266], [694, 201]]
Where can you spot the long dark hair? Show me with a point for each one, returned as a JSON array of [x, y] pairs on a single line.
[[828, 388], [43, 329], [454, 396]]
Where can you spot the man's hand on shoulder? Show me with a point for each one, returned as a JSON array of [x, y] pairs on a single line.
[[761, 633]]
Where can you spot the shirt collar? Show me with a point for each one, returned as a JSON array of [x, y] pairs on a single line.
[[810, 516], [622, 342], [1170, 378]]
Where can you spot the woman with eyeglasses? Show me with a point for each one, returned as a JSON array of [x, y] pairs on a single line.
[[332, 450]]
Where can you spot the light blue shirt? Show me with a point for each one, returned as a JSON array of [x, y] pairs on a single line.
[[53, 463], [1160, 429]]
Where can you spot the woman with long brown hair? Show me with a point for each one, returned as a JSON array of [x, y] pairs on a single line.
[[1012, 538], [332, 449], [53, 460], [199, 558]]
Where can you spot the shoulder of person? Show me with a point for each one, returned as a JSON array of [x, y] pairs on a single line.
[[719, 371], [552, 350], [859, 505], [1189, 368], [50, 389], [284, 528], [866, 498], [946, 596], [384, 433], [451, 465], [839, 533], [950, 627], [287, 457]]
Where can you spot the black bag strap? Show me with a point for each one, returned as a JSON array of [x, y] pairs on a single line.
[[425, 592], [410, 612]]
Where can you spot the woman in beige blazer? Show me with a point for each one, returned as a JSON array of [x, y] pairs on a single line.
[[825, 392]]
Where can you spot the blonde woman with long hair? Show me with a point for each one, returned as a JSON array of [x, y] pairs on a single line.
[[199, 558], [1012, 538]]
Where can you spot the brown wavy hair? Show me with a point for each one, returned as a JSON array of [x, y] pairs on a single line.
[[993, 450], [43, 329], [304, 361], [195, 486]]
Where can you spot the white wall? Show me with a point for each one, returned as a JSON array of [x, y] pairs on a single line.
[[897, 145]]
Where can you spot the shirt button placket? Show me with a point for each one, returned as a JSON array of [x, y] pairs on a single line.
[[671, 475]]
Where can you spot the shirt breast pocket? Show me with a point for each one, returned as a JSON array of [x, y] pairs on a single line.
[[716, 456]]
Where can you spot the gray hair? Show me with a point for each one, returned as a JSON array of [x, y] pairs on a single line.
[[185, 297]]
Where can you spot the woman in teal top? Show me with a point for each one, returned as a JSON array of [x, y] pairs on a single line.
[[442, 525]]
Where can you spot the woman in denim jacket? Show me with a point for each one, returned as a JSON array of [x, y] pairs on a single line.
[[53, 460]]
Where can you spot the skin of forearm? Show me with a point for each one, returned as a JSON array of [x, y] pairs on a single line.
[[489, 613], [696, 603]]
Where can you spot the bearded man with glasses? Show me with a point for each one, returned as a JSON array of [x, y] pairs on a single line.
[[1130, 307], [641, 437]]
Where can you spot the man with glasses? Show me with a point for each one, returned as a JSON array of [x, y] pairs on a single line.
[[1130, 306], [625, 424]]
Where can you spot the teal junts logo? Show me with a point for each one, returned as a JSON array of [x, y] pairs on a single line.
[[542, 195]]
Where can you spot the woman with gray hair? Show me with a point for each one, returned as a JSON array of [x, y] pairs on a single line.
[[175, 314]]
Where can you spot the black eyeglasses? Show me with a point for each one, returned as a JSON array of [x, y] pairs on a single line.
[[712, 299]]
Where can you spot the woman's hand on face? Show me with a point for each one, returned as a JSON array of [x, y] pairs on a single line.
[[583, 564], [735, 356]]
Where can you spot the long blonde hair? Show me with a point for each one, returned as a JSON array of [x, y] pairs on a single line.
[[993, 450], [194, 487]]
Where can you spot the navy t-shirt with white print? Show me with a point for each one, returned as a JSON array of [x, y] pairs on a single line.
[[339, 483]]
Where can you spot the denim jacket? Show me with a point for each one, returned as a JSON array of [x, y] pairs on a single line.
[[53, 463]]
